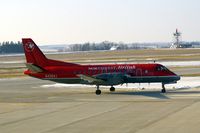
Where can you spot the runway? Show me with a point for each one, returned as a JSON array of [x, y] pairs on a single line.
[[28, 107]]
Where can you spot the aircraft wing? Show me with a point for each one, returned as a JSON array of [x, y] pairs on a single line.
[[90, 79], [113, 78], [106, 78]]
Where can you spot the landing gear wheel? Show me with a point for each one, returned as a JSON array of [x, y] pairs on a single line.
[[112, 89], [98, 92], [163, 90]]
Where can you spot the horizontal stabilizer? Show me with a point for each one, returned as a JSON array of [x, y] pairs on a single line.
[[34, 68]]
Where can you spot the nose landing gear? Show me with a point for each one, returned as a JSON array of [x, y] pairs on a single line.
[[163, 88]]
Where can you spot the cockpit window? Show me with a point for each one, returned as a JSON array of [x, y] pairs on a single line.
[[161, 68]]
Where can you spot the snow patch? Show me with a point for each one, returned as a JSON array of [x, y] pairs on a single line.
[[185, 82]]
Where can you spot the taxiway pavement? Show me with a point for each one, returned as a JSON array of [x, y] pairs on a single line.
[[26, 107]]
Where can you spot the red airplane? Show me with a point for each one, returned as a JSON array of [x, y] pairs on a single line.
[[100, 75]]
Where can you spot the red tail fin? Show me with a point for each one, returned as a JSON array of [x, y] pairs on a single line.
[[33, 54]]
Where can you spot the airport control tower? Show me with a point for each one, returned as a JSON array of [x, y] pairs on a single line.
[[177, 40]]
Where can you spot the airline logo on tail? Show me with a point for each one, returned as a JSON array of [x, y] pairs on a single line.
[[29, 46]]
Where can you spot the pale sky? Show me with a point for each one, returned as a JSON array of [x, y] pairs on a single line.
[[79, 21]]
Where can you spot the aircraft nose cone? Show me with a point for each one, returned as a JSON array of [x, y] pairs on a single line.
[[178, 77]]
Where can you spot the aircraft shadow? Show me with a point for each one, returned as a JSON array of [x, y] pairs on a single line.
[[184, 92], [153, 94], [158, 94]]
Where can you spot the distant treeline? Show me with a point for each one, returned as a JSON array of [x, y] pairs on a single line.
[[11, 47], [16, 47]]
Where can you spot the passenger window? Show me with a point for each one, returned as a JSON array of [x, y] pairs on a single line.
[[108, 71], [104, 71], [146, 71], [90, 72], [125, 71]]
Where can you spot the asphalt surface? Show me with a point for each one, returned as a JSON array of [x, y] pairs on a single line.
[[26, 106]]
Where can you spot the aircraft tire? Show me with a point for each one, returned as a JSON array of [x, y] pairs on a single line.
[[163, 91], [98, 92], [112, 89]]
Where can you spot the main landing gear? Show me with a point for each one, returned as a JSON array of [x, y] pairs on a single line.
[[163, 88], [98, 91], [112, 89]]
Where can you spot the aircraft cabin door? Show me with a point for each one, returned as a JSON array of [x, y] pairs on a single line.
[[139, 72]]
